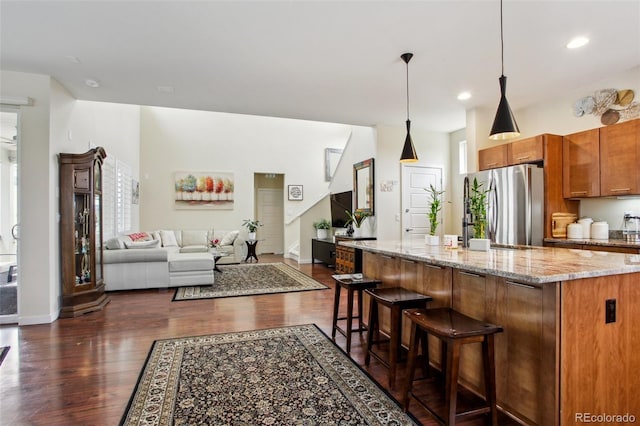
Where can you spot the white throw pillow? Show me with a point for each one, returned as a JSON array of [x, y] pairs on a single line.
[[168, 239], [114, 243], [142, 244], [229, 238]]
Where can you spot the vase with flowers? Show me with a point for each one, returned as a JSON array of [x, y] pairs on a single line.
[[356, 220]]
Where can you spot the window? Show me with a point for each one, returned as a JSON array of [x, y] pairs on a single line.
[[116, 197], [462, 157]]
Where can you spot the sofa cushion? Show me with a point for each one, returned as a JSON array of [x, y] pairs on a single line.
[[140, 236], [190, 262], [194, 249], [142, 244], [135, 255], [168, 239], [114, 243], [229, 238], [194, 238]]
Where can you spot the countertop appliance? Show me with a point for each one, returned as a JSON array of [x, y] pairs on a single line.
[[515, 204]]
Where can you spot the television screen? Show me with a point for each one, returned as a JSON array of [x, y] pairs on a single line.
[[340, 203]]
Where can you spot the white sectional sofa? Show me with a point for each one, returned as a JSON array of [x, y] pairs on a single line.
[[167, 258]]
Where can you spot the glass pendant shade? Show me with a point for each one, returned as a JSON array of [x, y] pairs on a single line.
[[504, 125], [408, 151]]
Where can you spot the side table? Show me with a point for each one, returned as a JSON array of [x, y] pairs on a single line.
[[216, 256], [251, 250]]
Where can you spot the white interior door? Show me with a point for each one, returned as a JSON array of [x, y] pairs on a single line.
[[270, 213], [415, 200]]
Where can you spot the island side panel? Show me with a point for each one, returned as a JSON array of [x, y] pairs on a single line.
[[600, 362]]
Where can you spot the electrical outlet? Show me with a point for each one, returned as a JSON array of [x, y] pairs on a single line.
[[610, 311]]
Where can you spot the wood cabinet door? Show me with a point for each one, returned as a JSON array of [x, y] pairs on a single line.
[[493, 157], [620, 159], [525, 151], [581, 165]]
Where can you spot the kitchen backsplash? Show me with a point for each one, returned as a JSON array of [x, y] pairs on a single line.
[[611, 210]]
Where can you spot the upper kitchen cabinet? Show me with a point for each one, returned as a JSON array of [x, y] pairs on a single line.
[[580, 164], [491, 158], [524, 151], [620, 159]]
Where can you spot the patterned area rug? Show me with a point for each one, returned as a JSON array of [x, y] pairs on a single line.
[[280, 376], [252, 279]]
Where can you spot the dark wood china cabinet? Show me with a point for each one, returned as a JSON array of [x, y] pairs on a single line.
[[81, 232]]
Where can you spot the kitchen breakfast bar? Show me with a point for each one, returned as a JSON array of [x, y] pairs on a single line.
[[570, 350]]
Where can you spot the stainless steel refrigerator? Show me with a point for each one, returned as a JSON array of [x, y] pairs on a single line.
[[515, 213]]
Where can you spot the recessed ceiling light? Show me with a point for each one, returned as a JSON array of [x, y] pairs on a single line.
[[577, 42], [165, 89], [463, 96], [91, 83]]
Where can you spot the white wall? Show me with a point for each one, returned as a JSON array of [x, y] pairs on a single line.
[[185, 140], [556, 116], [432, 149], [38, 248]]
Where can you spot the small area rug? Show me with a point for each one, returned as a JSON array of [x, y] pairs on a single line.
[[251, 279], [280, 376], [3, 353]]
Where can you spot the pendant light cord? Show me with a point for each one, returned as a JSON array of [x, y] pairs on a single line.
[[407, 90], [501, 40]]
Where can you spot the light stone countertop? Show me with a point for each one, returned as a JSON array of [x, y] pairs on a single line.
[[611, 242], [533, 265]]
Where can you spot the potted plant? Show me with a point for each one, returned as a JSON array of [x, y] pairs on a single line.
[[478, 206], [356, 219], [252, 227], [435, 205], [322, 228]]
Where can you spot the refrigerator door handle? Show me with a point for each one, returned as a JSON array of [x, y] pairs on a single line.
[[493, 200]]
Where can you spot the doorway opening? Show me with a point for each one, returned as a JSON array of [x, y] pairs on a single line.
[[269, 202], [9, 189]]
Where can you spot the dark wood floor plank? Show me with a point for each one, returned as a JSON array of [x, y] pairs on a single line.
[[83, 370]]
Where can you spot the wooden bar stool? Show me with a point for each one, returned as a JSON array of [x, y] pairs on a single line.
[[454, 330], [396, 299], [351, 285]]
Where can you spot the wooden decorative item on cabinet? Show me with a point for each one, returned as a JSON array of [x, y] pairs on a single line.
[[524, 151], [81, 232], [349, 259], [620, 159], [581, 165], [491, 158]]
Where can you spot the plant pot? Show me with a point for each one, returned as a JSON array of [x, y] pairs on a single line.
[[357, 232], [322, 234], [252, 236], [432, 240]]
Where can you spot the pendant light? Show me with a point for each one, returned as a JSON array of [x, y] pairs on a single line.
[[504, 125], [408, 151]]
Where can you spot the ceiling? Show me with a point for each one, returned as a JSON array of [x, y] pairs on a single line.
[[334, 61]]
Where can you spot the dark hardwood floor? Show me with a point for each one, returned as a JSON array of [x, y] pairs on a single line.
[[83, 370]]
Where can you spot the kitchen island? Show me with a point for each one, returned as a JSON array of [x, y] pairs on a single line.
[[571, 318]]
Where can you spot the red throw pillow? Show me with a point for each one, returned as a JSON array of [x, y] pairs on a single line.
[[139, 236]]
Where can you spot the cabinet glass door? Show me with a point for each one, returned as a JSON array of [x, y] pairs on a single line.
[[82, 209], [97, 211]]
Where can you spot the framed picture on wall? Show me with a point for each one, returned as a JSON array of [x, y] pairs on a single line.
[[203, 190], [295, 192]]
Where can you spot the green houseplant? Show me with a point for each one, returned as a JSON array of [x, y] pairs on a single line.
[[435, 205], [322, 228], [356, 219], [252, 227], [478, 206]]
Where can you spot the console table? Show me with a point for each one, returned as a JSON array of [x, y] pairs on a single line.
[[323, 250]]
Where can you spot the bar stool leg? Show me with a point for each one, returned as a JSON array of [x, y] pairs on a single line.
[[349, 317], [336, 306], [451, 380], [394, 344], [411, 365], [373, 323], [360, 311], [488, 357]]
